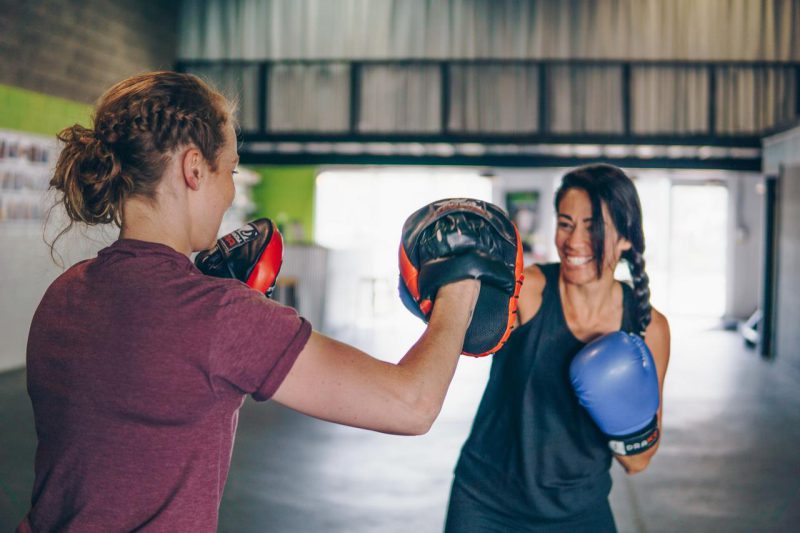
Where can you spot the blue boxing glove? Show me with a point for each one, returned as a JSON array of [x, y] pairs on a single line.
[[615, 379]]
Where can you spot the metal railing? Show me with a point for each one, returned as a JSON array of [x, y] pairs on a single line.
[[259, 131]]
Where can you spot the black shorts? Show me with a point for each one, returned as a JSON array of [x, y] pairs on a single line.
[[465, 514]]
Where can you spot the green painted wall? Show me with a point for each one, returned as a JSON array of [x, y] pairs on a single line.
[[286, 195], [33, 112]]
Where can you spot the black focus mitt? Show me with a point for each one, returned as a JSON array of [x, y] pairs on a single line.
[[462, 238], [252, 254]]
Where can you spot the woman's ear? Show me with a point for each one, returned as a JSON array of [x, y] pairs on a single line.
[[192, 168], [623, 245]]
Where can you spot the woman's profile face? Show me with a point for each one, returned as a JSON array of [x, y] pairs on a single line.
[[220, 189], [574, 239], [226, 168]]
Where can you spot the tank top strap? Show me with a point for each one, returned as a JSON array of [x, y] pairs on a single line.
[[551, 272]]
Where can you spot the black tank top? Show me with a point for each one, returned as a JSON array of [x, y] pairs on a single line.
[[533, 451]]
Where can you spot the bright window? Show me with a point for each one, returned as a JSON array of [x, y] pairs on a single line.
[[359, 217]]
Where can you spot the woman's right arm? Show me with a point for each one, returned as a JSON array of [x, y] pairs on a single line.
[[334, 381]]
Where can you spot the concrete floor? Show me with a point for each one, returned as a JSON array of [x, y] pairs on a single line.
[[729, 458]]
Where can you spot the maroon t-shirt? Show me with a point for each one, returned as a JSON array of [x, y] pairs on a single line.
[[137, 367]]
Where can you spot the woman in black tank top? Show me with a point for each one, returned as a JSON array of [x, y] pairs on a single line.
[[535, 460]]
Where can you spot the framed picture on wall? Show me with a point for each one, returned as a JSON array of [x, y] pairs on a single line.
[[523, 208], [25, 173]]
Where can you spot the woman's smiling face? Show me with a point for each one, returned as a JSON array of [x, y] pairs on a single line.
[[574, 239]]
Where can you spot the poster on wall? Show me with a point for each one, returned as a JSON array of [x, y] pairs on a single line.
[[26, 165], [523, 208]]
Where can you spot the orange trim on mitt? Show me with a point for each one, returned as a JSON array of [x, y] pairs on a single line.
[[266, 269], [409, 274]]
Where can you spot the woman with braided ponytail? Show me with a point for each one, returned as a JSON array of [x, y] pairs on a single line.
[[541, 445], [138, 362]]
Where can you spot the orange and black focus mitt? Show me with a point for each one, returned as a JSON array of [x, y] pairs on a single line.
[[252, 254], [461, 238]]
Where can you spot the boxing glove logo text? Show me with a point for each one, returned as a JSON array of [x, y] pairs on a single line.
[[237, 238]]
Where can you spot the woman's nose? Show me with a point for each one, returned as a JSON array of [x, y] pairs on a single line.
[[578, 237]]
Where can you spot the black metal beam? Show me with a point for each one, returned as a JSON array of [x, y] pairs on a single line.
[[731, 141], [797, 92], [769, 265], [263, 103], [351, 134], [184, 63], [544, 119], [255, 158], [626, 99], [712, 100], [444, 96], [355, 96]]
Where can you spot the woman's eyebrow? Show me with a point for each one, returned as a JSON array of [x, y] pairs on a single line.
[[562, 215]]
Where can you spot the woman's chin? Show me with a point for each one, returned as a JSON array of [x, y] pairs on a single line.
[[578, 273]]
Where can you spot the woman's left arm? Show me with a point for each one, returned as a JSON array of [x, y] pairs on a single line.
[[657, 339]]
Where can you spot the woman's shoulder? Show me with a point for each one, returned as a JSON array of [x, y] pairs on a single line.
[[539, 273], [223, 291], [658, 327], [226, 302], [534, 276], [530, 295]]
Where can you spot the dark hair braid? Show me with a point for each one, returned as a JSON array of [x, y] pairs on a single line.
[[641, 287]]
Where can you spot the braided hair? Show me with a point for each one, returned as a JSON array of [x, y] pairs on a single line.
[[609, 185], [137, 125]]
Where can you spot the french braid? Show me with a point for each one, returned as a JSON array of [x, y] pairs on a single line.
[[138, 124]]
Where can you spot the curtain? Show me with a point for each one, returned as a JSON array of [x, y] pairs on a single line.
[[503, 98], [438, 29], [669, 100], [239, 83], [309, 98], [752, 100], [494, 98], [400, 99], [585, 99]]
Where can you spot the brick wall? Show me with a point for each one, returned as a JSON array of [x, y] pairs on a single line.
[[76, 49]]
